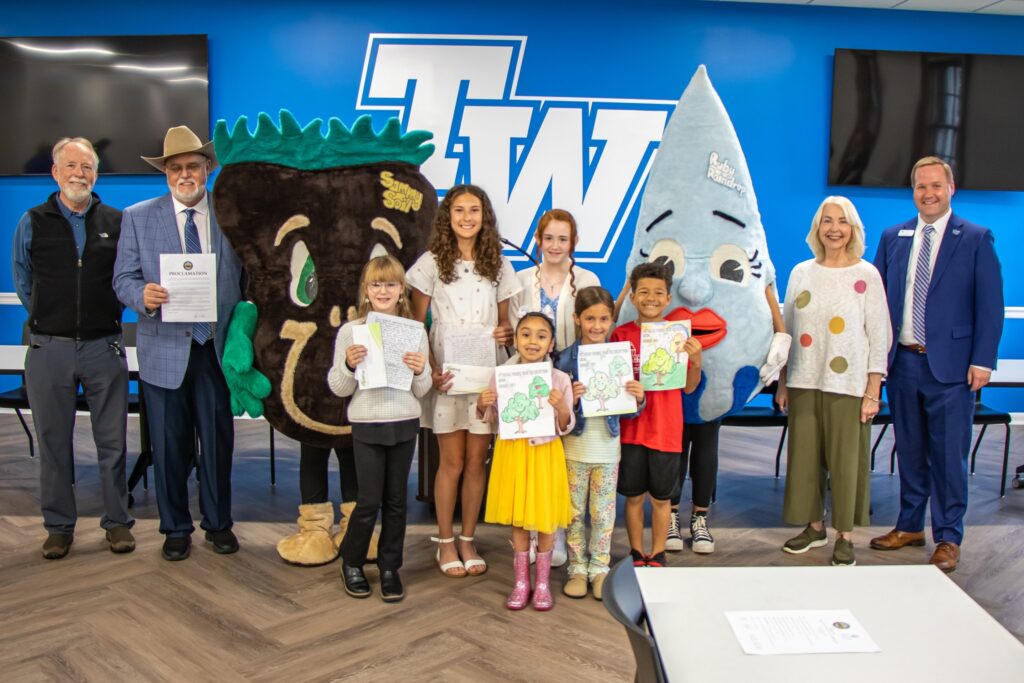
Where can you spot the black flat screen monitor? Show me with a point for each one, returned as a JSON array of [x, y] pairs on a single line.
[[889, 109], [120, 92]]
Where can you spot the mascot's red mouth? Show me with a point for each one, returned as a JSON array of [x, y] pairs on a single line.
[[708, 327]]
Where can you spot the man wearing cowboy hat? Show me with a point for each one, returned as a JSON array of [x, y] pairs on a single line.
[[63, 260], [179, 363]]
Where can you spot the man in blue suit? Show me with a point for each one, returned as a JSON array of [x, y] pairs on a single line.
[[945, 293], [179, 363]]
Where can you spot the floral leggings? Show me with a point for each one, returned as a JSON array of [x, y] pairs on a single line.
[[598, 481]]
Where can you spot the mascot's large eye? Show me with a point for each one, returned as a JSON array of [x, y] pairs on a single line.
[[729, 263], [302, 286], [668, 253]]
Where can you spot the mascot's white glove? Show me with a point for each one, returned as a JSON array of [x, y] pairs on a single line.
[[778, 353]]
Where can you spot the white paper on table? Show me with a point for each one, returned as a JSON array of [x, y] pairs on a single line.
[[191, 284], [523, 408], [470, 347], [604, 369], [663, 362], [398, 336], [468, 379], [798, 632], [371, 373]]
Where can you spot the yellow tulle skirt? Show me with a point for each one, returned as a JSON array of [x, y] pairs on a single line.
[[528, 487]]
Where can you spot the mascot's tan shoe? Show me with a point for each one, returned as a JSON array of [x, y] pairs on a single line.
[[313, 544], [346, 512]]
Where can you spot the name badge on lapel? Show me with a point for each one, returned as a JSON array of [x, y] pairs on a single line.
[[956, 231], [905, 233]]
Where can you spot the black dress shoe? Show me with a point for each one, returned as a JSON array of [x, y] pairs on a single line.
[[176, 548], [391, 589], [224, 542], [356, 584]]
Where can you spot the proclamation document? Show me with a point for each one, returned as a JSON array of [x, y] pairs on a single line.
[[799, 632], [191, 284], [399, 336]]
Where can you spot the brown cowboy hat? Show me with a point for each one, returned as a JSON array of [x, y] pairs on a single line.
[[181, 140]]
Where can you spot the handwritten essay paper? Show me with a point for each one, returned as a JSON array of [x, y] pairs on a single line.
[[604, 370], [523, 408], [469, 355], [399, 336]]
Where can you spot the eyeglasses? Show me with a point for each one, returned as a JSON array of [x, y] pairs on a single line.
[[389, 286], [192, 168]]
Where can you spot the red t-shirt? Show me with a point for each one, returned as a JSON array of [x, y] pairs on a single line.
[[660, 425]]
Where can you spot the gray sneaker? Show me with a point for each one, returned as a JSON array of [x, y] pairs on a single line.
[[805, 540], [703, 541], [842, 554], [673, 541]]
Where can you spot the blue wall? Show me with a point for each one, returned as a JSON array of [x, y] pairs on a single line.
[[771, 65]]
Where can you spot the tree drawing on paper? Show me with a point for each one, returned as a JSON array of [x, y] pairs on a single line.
[[659, 364], [600, 388], [679, 346], [519, 409], [539, 389], [619, 368]]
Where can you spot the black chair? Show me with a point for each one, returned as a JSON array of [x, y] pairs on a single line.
[[17, 399], [623, 601], [985, 416]]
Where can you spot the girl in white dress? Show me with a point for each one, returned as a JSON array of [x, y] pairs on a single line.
[[466, 284]]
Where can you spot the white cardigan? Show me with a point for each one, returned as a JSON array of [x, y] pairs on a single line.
[[528, 299]]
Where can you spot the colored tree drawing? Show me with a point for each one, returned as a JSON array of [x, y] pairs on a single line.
[[659, 364], [678, 345], [600, 388], [619, 368], [519, 410], [539, 389]]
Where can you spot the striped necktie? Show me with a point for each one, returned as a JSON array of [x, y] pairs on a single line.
[[922, 278], [201, 331]]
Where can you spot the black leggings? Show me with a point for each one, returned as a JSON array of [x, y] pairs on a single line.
[[700, 442], [313, 472]]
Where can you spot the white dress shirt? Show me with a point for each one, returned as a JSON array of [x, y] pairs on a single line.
[[202, 219], [907, 328]]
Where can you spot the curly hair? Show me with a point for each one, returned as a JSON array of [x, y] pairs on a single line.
[[445, 247], [542, 225]]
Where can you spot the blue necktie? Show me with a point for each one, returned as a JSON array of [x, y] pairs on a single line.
[[922, 278], [201, 331]]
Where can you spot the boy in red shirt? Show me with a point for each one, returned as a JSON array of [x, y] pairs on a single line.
[[652, 442]]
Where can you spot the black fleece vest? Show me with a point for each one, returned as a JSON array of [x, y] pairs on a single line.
[[74, 297]]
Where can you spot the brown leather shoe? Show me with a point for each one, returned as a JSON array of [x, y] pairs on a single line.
[[946, 556], [896, 539]]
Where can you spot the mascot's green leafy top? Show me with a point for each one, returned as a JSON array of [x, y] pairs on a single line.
[[308, 149]]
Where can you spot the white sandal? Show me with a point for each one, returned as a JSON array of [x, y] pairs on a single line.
[[475, 562], [456, 564]]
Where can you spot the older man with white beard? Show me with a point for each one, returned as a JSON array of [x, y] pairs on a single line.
[[179, 363], [63, 261]]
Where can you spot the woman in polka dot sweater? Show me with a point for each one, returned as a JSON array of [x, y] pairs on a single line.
[[837, 313]]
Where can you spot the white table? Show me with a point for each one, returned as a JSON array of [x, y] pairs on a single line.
[[12, 360], [927, 628], [1009, 372]]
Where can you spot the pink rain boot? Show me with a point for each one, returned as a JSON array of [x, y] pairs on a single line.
[[520, 594], [542, 599]]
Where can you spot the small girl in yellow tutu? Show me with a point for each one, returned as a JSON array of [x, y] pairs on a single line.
[[529, 488]]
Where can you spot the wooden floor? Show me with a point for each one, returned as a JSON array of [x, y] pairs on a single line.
[[95, 616]]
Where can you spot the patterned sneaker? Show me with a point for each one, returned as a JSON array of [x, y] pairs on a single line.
[[657, 560], [673, 541], [639, 559], [842, 554], [805, 540], [703, 541]]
